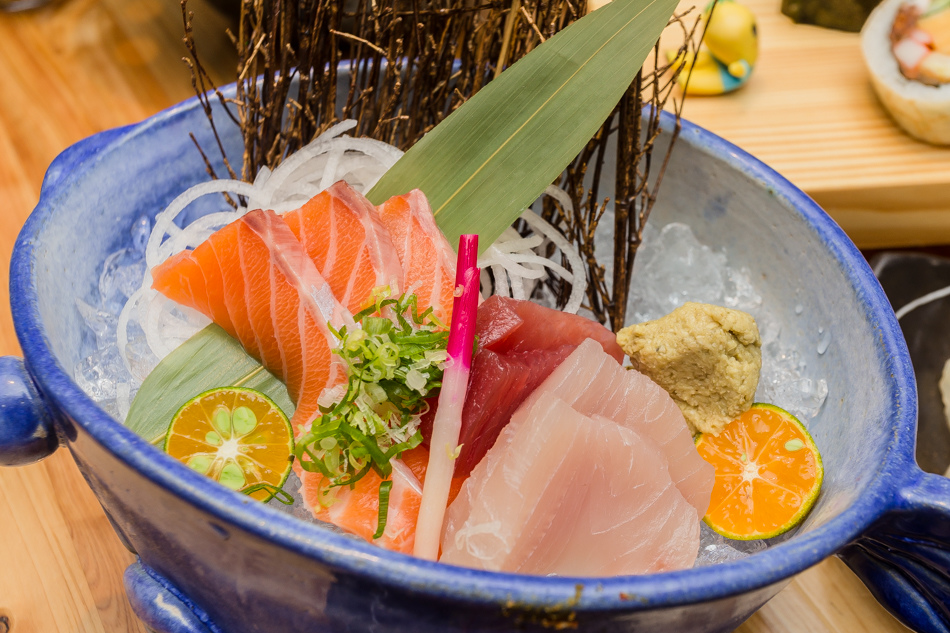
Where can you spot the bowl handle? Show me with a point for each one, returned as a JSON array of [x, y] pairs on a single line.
[[160, 606], [27, 434], [904, 558]]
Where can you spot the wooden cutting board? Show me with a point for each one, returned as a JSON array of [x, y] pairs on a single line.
[[82, 66], [809, 111]]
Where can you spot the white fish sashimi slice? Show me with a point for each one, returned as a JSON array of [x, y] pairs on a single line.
[[593, 383], [633, 510], [654, 418], [518, 486], [563, 493]]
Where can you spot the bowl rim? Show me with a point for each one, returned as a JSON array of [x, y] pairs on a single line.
[[621, 593]]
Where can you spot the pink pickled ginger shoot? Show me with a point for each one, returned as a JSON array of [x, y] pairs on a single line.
[[448, 419]]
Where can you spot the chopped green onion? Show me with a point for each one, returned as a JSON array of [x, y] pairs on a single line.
[[394, 362], [384, 488], [278, 493]]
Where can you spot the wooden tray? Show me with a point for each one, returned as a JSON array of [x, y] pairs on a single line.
[[81, 66], [809, 111]]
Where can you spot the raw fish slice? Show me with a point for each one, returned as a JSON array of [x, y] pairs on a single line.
[[357, 509], [254, 279], [633, 507], [345, 238], [567, 494], [428, 260], [594, 384], [520, 344], [515, 493], [510, 325]]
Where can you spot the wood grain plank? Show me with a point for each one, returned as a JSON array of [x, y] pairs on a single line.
[[48, 591], [99, 550], [809, 111]]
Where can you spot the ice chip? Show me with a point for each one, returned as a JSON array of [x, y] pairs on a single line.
[[715, 548], [98, 373], [141, 229], [102, 323], [824, 340], [121, 276], [674, 268], [740, 292]]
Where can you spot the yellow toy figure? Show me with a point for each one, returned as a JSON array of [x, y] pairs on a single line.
[[728, 51]]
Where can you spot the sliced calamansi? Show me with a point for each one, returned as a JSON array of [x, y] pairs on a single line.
[[768, 474], [235, 436]]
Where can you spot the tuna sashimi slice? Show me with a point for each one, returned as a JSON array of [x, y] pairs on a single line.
[[510, 325], [428, 260], [344, 236], [567, 494], [520, 344], [591, 382]]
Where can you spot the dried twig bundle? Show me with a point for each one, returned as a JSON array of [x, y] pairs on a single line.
[[411, 64], [636, 124]]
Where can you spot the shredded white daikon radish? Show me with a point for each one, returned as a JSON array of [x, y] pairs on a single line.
[[326, 160], [516, 262]]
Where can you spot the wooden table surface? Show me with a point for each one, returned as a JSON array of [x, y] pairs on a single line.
[[82, 66], [809, 111]]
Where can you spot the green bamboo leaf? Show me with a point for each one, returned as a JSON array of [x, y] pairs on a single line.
[[494, 156], [207, 360]]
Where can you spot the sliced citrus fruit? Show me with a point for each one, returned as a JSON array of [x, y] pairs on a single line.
[[768, 474], [235, 436]]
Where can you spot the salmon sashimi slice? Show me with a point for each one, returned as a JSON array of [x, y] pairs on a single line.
[[255, 280], [428, 260], [593, 383], [344, 236], [357, 509], [563, 493]]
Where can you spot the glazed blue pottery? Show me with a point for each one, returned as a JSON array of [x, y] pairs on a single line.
[[211, 560]]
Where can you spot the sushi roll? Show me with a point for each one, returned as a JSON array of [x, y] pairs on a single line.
[[906, 46]]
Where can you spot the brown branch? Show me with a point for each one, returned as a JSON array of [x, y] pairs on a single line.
[[527, 16], [355, 38], [409, 64]]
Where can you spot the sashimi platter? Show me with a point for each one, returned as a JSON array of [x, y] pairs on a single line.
[[335, 339]]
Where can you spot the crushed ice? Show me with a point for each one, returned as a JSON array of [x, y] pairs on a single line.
[[673, 267], [102, 374], [714, 548]]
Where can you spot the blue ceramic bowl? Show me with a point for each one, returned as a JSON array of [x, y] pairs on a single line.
[[213, 560]]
